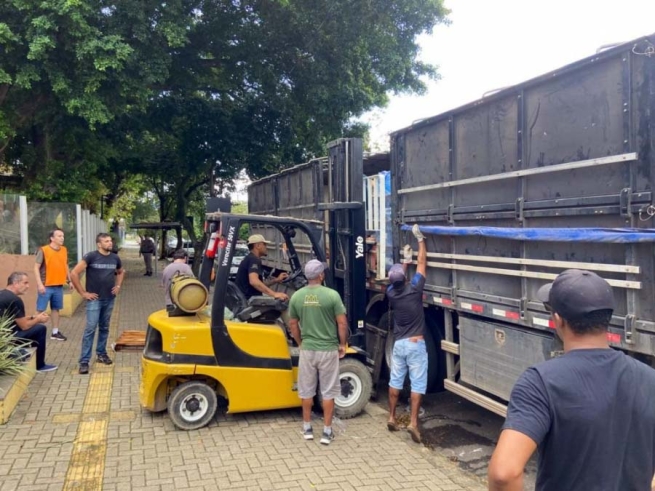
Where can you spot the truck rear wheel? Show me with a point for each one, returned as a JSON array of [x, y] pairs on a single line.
[[356, 387], [386, 323], [436, 357], [192, 405]]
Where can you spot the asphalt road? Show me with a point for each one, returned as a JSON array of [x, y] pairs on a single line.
[[461, 431]]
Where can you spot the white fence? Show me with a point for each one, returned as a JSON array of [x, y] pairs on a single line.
[[24, 226]]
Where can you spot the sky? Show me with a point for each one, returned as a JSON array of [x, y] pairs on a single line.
[[491, 44]]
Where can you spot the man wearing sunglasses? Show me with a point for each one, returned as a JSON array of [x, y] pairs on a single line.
[[589, 412]]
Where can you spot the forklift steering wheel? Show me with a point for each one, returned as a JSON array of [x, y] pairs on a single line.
[[292, 276]]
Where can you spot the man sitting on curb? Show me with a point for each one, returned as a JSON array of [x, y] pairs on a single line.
[[29, 328]]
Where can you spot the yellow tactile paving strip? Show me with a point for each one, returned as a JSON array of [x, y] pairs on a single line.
[[98, 395], [87, 463]]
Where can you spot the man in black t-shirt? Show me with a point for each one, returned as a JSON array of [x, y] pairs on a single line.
[[29, 328], [104, 276], [589, 412], [409, 350], [249, 275]]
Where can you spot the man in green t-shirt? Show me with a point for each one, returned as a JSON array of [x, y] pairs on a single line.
[[314, 310]]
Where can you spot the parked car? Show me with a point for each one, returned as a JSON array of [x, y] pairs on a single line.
[[240, 252], [187, 245]]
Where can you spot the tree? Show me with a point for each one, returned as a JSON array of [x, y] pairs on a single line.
[[241, 208], [87, 58], [188, 92]]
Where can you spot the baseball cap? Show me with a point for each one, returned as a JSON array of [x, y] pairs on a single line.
[[576, 293], [397, 273], [256, 239], [313, 269]]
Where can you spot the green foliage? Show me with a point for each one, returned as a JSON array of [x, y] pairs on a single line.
[[241, 207], [9, 345], [186, 93], [129, 193], [144, 211]]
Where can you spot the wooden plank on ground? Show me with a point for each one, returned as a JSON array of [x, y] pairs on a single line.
[[130, 340]]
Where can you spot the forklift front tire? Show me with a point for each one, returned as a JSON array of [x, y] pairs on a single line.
[[356, 388], [192, 405]]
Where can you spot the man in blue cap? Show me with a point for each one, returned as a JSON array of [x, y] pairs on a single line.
[[589, 412], [409, 351]]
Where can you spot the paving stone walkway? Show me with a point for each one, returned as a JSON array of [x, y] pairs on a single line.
[[77, 432]]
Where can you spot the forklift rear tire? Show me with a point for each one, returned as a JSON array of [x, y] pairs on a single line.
[[356, 387], [192, 405]]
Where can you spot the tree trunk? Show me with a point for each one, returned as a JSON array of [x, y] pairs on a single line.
[[182, 203]]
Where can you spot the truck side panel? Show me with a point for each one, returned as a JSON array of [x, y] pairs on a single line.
[[291, 193], [457, 169]]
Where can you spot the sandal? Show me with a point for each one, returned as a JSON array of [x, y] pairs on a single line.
[[392, 426], [414, 433]]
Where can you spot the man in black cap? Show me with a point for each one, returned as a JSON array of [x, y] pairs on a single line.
[[590, 412], [409, 351]]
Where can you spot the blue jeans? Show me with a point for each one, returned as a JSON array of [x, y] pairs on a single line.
[[98, 313], [409, 356]]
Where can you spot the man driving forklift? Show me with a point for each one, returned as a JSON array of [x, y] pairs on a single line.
[[249, 275]]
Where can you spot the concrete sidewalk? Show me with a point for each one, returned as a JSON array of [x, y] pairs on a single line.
[[78, 432]]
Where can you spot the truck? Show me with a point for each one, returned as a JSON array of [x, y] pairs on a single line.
[[510, 190]]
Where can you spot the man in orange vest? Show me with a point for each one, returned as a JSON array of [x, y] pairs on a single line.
[[51, 271]]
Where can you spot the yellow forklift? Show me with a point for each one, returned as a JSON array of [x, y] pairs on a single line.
[[237, 350]]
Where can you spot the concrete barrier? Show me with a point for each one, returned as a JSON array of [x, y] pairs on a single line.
[[12, 388]]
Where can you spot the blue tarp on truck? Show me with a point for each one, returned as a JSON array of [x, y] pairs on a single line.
[[612, 235]]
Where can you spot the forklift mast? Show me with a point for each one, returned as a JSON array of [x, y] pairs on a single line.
[[347, 231]]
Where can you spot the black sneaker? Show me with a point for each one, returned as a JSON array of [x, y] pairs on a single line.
[[104, 359], [327, 438], [84, 368], [47, 368], [308, 434], [58, 336]]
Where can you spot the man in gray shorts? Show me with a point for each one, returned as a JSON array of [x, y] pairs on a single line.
[[315, 311]]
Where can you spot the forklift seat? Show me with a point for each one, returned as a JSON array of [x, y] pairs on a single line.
[[259, 308]]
